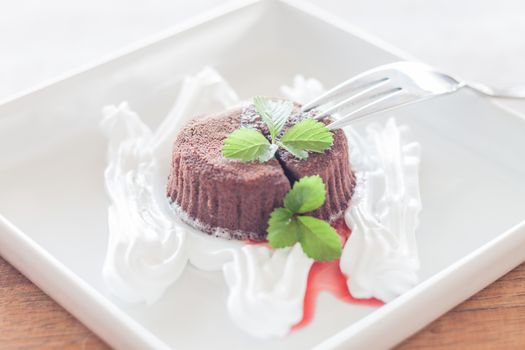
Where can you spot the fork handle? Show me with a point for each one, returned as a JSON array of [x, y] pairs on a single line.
[[516, 92]]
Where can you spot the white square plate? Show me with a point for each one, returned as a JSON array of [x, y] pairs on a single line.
[[52, 198]]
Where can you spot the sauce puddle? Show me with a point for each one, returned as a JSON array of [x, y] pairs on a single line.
[[328, 277]]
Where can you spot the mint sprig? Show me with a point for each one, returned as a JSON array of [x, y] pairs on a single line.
[[318, 239], [308, 135]]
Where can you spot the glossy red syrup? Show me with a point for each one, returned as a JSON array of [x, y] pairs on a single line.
[[328, 277]]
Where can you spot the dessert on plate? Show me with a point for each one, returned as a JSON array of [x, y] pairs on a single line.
[[234, 198], [333, 213]]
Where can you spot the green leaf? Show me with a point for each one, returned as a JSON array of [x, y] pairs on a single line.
[[298, 153], [273, 113], [307, 194], [282, 228], [318, 239], [248, 145], [307, 135]]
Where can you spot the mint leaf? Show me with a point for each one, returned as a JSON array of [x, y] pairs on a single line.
[[273, 113], [308, 135], [248, 145], [318, 239], [307, 194], [298, 153], [282, 228]]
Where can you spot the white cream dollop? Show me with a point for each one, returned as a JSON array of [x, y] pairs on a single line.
[[147, 248], [380, 258], [146, 251], [267, 288]]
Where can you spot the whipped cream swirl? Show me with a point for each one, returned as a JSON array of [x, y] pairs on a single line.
[[267, 288], [146, 251], [380, 257]]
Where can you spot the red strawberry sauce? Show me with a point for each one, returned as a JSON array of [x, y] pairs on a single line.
[[328, 277]]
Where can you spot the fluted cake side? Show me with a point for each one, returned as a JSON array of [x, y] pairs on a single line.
[[222, 197], [333, 166]]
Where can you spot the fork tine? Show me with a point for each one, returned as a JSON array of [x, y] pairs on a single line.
[[381, 103], [382, 88], [358, 82], [354, 99]]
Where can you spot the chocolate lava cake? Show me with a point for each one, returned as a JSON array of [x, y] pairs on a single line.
[[234, 199]]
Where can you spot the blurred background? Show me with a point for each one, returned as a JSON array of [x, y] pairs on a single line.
[[480, 40]]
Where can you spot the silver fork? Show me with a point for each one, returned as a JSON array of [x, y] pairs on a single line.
[[390, 86]]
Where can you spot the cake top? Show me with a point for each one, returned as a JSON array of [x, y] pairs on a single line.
[[250, 118], [281, 128], [205, 137]]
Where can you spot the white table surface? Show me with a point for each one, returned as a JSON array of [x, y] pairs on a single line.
[[481, 40]]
